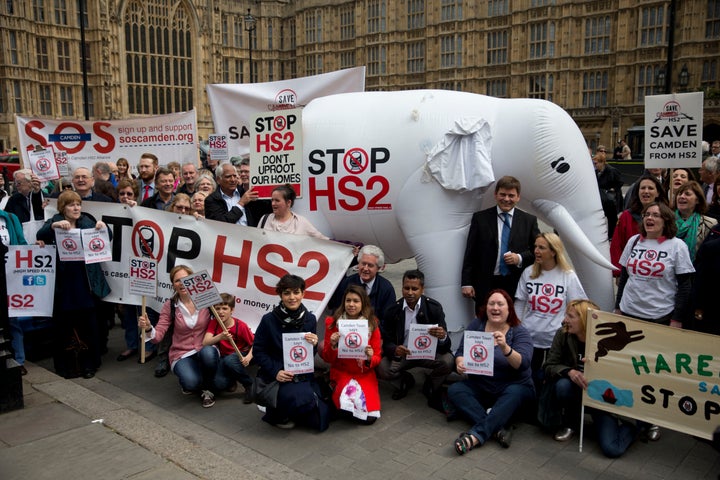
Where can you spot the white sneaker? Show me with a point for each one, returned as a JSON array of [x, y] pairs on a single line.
[[208, 399]]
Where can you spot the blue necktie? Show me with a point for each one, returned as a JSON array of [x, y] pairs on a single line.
[[504, 243]]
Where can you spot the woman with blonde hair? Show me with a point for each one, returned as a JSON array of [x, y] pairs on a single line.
[[542, 294]]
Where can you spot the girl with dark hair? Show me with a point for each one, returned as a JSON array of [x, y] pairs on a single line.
[[490, 401], [354, 382], [299, 398]]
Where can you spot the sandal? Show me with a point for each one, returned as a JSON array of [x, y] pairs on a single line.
[[465, 442]]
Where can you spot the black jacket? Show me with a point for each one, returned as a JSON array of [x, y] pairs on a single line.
[[393, 326]]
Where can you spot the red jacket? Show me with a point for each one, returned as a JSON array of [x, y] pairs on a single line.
[[342, 370], [626, 227]]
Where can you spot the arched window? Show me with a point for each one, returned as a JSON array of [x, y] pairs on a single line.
[[155, 30]]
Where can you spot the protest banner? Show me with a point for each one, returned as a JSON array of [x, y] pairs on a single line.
[[96, 245], [353, 338], [172, 136], [298, 356], [479, 352], [421, 344], [662, 375], [244, 261], [234, 105], [674, 126], [30, 272], [276, 152]]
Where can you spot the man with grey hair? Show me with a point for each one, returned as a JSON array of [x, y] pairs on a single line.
[[227, 203], [708, 175], [371, 260], [189, 174], [27, 201]]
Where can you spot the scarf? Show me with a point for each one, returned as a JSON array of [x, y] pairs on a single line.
[[688, 231], [290, 319]]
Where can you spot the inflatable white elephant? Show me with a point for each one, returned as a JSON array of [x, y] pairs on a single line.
[[406, 170]]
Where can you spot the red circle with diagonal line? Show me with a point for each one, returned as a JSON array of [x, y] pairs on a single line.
[[356, 160], [147, 240], [298, 353], [478, 353]]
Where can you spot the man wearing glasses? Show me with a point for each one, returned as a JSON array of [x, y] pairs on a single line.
[[27, 201]]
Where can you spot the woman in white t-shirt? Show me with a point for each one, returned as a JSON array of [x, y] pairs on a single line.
[[656, 272], [543, 293]]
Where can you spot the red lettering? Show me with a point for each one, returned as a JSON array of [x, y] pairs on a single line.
[[316, 192], [374, 203], [36, 135], [267, 266], [19, 258], [345, 189], [109, 145], [242, 262], [61, 127], [322, 271]]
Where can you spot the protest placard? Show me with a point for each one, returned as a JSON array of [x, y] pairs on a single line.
[[421, 344], [30, 272], [353, 338], [142, 276], [202, 289], [69, 245], [298, 355], [96, 245], [479, 352]]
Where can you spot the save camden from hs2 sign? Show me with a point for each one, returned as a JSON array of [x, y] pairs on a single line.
[[276, 151], [673, 124]]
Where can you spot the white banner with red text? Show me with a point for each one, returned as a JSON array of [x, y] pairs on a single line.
[[244, 261], [651, 372], [30, 273], [234, 105], [171, 137]]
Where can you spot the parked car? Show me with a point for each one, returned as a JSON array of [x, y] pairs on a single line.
[[9, 164]]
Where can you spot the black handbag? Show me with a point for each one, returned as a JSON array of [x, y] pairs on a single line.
[[265, 394]]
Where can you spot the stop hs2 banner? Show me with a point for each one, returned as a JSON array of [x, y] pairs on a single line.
[[244, 261], [171, 137], [659, 374], [233, 106]]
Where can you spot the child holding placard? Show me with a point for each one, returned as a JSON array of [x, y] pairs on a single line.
[[231, 368], [355, 385]]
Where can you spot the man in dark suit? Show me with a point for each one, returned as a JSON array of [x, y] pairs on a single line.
[[414, 308], [227, 203], [371, 260], [488, 264]]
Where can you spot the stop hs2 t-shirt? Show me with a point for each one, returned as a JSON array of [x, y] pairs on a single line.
[[541, 302], [652, 267]]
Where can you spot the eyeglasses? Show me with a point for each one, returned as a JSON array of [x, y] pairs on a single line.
[[125, 194], [651, 215], [182, 209]]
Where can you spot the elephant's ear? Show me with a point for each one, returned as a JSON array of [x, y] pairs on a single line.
[[461, 160]]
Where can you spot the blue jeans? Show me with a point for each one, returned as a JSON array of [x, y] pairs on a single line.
[[197, 371], [613, 435], [230, 370], [472, 402], [16, 336], [569, 399], [129, 321]]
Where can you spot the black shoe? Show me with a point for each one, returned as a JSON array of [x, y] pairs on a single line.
[[89, 374], [162, 368], [504, 437], [23, 370], [406, 383]]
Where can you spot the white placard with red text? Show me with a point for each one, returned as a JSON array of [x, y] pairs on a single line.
[[96, 245], [353, 338], [421, 344], [218, 147], [69, 245], [142, 276], [673, 130], [61, 160], [202, 290], [298, 355], [42, 163], [479, 353], [30, 272], [276, 151]]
